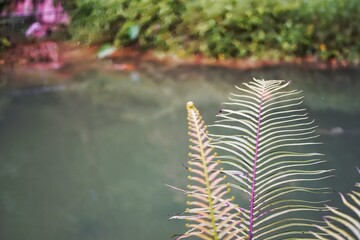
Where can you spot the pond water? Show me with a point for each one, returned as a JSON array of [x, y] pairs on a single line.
[[85, 154]]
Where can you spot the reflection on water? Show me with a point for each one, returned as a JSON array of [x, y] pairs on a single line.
[[88, 158]]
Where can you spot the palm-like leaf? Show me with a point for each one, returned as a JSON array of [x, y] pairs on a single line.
[[266, 153], [210, 214], [340, 225]]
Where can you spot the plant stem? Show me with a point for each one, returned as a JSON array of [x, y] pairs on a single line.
[[252, 199]]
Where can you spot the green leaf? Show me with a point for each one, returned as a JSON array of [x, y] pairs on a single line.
[[134, 32], [105, 51]]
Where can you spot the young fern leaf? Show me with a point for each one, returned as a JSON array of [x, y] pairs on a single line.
[[341, 226], [211, 216], [265, 152]]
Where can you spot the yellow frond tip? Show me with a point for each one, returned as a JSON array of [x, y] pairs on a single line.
[[189, 177], [189, 105]]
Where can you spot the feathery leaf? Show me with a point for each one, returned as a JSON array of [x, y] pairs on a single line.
[[265, 152], [210, 213], [340, 225]]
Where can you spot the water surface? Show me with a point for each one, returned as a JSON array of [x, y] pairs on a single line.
[[85, 154]]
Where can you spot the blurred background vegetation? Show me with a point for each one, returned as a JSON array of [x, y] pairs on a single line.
[[327, 29], [222, 29]]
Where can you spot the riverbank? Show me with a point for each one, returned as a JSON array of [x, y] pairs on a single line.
[[50, 55], [80, 66]]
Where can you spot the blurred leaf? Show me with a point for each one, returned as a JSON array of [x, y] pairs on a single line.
[[134, 32], [105, 51]]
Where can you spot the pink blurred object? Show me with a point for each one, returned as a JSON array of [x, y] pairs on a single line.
[[23, 8], [48, 12], [63, 17], [48, 15], [123, 67], [28, 7], [36, 30], [52, 14], [18, 9]]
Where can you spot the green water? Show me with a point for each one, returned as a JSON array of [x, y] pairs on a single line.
[[89, 159]]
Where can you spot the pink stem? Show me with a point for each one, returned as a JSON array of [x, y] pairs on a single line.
[[252, 200]]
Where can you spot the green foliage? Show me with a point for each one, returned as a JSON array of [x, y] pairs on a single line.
[[4, 43], [118, 19], [227, 28]]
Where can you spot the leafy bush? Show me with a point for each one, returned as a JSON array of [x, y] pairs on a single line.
[[116, 20], [227, 28]]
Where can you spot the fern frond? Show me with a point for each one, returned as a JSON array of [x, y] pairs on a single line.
[[211, 214], [340, 225], [266, 154]]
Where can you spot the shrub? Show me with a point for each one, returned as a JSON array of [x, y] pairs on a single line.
[[227, 28]]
